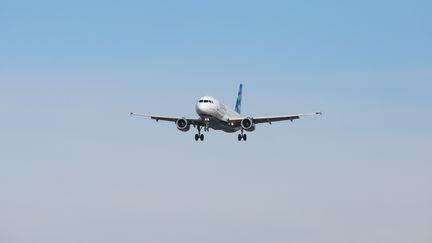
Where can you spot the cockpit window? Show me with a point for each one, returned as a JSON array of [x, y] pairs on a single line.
[[206, 101]]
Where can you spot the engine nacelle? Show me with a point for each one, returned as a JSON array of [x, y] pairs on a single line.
[[248, 124], [183, 125]]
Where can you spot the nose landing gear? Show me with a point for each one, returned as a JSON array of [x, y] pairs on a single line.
[[199, 135], [242, 136]]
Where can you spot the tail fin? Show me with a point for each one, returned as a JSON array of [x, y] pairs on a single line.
[[239, 99]]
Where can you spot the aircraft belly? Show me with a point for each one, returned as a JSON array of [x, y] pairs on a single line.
[[217, 121], [216, 125]]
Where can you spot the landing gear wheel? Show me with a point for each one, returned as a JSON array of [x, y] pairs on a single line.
[[202, 137], [197, 137], [240, 137], [244, 137]]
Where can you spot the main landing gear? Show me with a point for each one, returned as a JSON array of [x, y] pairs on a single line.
[[242, 136], [199, 135]]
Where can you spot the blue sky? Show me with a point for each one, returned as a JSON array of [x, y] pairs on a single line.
[[74, 167]]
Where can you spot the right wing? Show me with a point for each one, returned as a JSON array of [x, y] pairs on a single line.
[[192, 121]]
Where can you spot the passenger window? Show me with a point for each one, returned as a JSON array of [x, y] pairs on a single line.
[[206, 101]]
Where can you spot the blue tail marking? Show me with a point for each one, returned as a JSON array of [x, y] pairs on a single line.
[[239, 99]]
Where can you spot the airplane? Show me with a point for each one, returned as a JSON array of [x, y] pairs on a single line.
[[215, 115]]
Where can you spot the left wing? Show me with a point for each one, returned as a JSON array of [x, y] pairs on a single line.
[[270, 119], [193, 121]]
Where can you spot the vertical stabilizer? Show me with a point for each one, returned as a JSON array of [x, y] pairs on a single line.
[[239, 99]]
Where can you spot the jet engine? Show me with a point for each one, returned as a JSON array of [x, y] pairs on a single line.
[[248, 124], [182, 125]]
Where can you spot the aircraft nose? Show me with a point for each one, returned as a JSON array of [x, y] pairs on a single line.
[[202, 108], [199, 108]]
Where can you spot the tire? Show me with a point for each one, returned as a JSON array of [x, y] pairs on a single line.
[[244, 137], [202, 137], [196, 137], [240, 137]]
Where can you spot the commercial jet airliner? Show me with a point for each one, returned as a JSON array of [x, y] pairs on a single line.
[[215, 115]]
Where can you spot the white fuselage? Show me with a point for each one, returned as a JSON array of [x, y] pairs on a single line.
[[216, 115]]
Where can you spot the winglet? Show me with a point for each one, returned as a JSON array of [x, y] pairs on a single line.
[[239, 99]]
